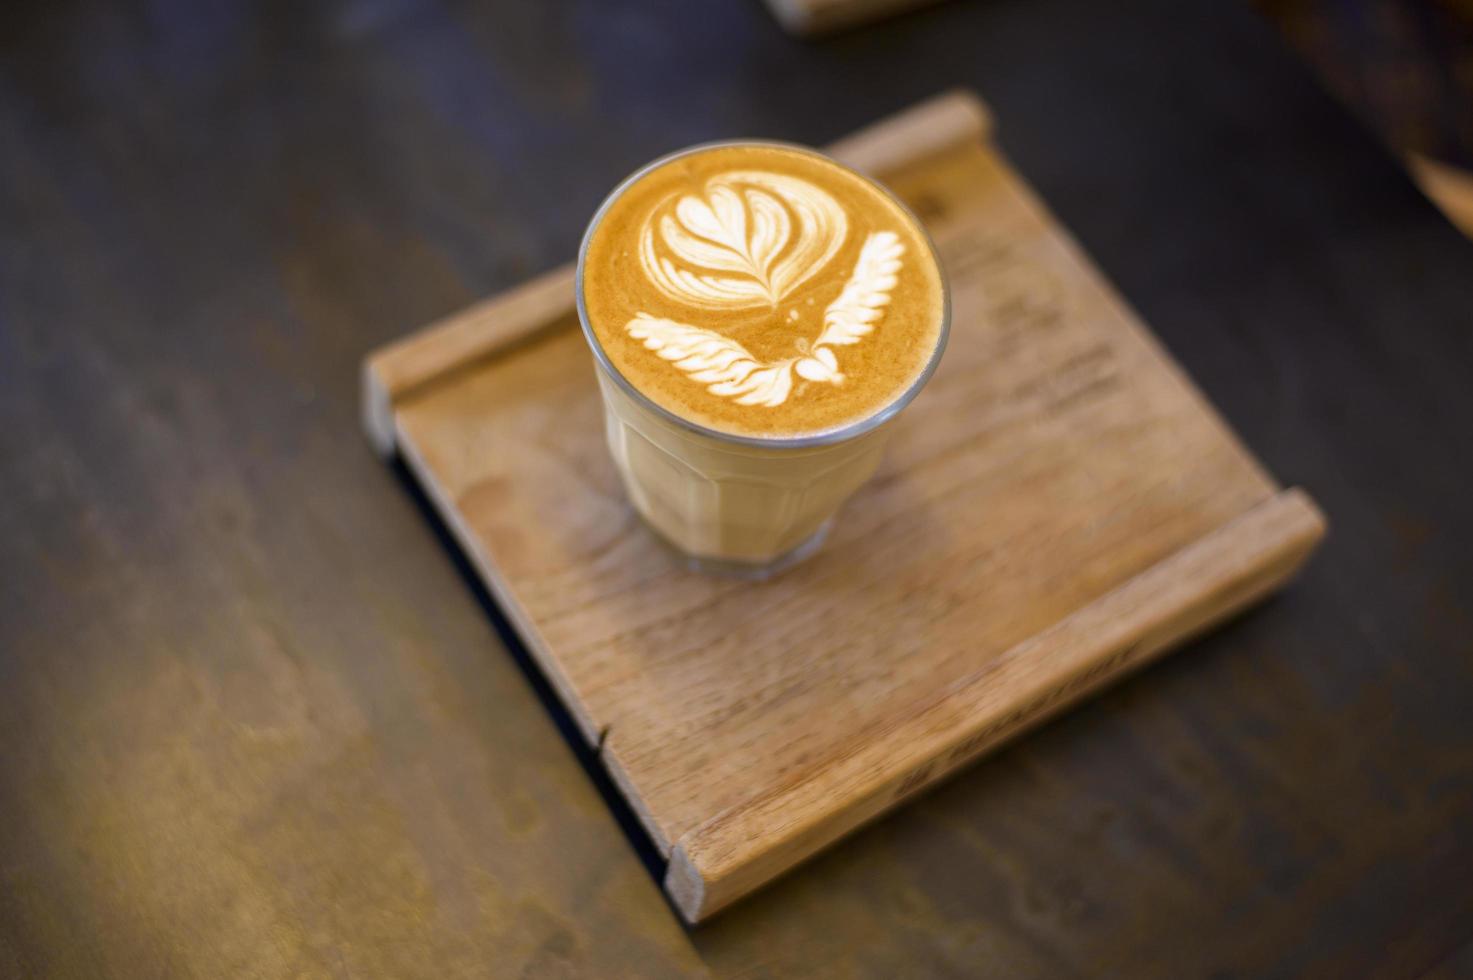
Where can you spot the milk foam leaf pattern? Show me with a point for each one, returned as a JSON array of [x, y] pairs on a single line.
[[723, 365], [729, 370], [864, 297], [748, 241]]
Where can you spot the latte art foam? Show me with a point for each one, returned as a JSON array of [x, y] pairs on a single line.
[[762, 290], [748, 240]]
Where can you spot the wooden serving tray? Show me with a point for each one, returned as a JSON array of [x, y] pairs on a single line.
[[1058, 507]]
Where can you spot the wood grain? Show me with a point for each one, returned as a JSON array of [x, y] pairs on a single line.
[[1207, 581], [751, 726], [255, 721]]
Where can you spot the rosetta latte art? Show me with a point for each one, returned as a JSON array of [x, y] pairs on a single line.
[[740, 235], [749, 242]]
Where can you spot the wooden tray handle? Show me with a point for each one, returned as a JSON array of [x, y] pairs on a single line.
[[936, 126]]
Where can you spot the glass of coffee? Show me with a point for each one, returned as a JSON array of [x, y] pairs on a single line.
[[758, 314]]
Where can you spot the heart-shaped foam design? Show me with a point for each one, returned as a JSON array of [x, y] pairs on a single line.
[[749, 241]]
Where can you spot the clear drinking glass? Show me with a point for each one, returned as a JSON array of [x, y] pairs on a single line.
[[733, 504]]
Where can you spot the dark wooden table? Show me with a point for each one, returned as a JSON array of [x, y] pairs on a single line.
[[254, 721]]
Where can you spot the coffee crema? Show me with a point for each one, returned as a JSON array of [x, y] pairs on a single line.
[[762, 290]]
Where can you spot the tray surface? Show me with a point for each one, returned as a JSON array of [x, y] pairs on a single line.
[[1058, 506]]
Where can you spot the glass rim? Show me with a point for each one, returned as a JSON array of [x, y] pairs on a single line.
[[823, 438]]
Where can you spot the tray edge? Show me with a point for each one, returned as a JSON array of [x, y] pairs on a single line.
[[1229, 570]]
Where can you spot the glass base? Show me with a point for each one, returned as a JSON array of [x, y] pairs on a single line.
[[751, 571]]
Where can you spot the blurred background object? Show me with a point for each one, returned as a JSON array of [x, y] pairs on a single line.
[[1406, 68], [809, 17]]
